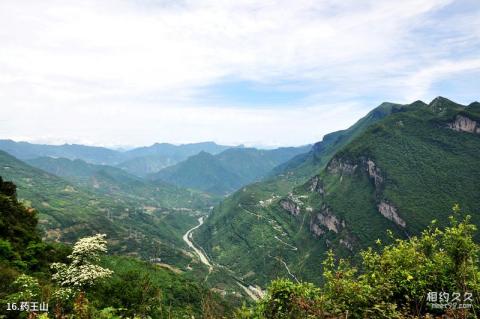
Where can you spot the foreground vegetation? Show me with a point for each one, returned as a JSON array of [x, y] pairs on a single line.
[[405, 279], [78, 282]]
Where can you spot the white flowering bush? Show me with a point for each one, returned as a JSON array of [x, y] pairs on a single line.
[[83, 272], [29, 289], [63, 294]]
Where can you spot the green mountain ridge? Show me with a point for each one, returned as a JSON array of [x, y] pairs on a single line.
[[397, 168], [139, 161], [93, 154], [202, 171], [227, 171], [148, 160], [108, 180]]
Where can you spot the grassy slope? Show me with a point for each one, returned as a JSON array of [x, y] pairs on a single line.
[[427, 168]]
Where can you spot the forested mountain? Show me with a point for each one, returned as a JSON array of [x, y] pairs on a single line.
[[396, 169], [202, 171], [227, 171], [178, 152], [108, 180], [77, 169], [140, 218]]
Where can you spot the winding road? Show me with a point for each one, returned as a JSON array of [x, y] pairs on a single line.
[[253, 292], [188, 239]]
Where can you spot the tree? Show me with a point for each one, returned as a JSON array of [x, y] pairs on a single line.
[[82, 273]]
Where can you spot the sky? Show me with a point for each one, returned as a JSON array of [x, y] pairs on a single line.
[[259, 73]]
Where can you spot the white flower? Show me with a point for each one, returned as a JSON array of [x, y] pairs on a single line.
[[82, 271]]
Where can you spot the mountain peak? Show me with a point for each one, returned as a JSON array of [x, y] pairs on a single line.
[[440, 101], [419, 103], [204, 154], [475, 104]]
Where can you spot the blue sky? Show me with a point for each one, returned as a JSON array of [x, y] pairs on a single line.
[[253, 94], [265, 73]]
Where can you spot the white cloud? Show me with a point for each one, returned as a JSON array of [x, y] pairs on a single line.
[[422, 80], [146, 124], [83, 70]]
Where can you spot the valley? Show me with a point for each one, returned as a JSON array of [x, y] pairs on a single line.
[[242, 159], [239, 218], [143, 218]]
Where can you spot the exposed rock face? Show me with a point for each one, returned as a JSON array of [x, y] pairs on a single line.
[[390, 212], [290, 206], [465, 124], [340, 166], [325, 219], [347, 244], [316, 230], [374, 173], [316, 185]]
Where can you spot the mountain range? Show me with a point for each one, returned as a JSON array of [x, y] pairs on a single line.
[[227, 171], [76, 196], [138, 161], [275, 212], [395, 170]]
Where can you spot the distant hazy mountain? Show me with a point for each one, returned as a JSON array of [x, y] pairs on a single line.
[[101, 177], [139, 161], [92, 154], [228, 170], [146, 160], [181, 151]]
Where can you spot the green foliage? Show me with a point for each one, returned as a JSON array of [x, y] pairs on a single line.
[[390, 283], [17, 224], [288, 300], [28, 289], [140, 289]]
